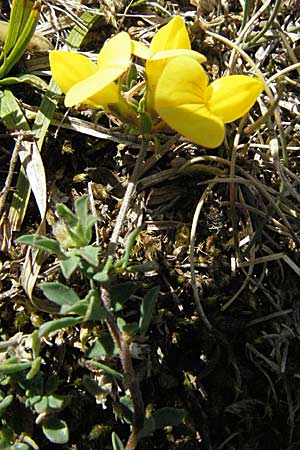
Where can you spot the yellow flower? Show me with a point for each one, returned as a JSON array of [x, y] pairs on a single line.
[[170, 41], [86, 82], [198, 110]]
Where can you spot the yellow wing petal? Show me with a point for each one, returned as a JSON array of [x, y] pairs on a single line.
[[69, 68], [170, 36], [179, 100], [97, 88], [139, 49], [116, 53], [165, 54], [231, 97]]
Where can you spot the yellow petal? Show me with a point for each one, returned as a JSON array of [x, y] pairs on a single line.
[[231, 97], [173, 35], [108, 95], [173, 39], [179, 100], [156, 64], [116, 53], [165, 54], [69, 68], [153, 70], [183, 81], [139, 49], [98, 88], [195, 123]]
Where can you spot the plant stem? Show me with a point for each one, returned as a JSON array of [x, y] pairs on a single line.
[[130, 190], [122, 341]]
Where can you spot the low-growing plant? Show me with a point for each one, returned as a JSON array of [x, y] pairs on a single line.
[[93, 286], [103, 303]]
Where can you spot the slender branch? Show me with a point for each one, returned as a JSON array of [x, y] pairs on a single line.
[[132, 383], [111, 322], [130, 190], [122, 341]]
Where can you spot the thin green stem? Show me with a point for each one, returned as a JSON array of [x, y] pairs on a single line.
[[245, 14], [266, 27]]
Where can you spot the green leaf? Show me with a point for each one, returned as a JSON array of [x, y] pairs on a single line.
[[101, 277], [56, 430], [83, 231], [146, 123], [80, 30], [95, 310], [116, 442], [11, 113], [24, 34], [131, 76], [5, 403], [22, 190], [14, 367], [167, 416], [30, 442], [148, 428], [56, 401], [59, 293], [42, 405], [161, 418], [81, 206], [90, 254], [130, 241], [19, 13], [66, 214], [69, 264], [12, 360], [58, 324], [42, 243], [103, 346], [88, 270], [120, 293], [147, 308], [34, 389], [52, 384], [19, 446], [35, 343], [79, 308], [79, 226], [35, 368], [24, 78], [106, 369], [126, 409], [129, 328], [91, 385], [6, 436], [32, 399]]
